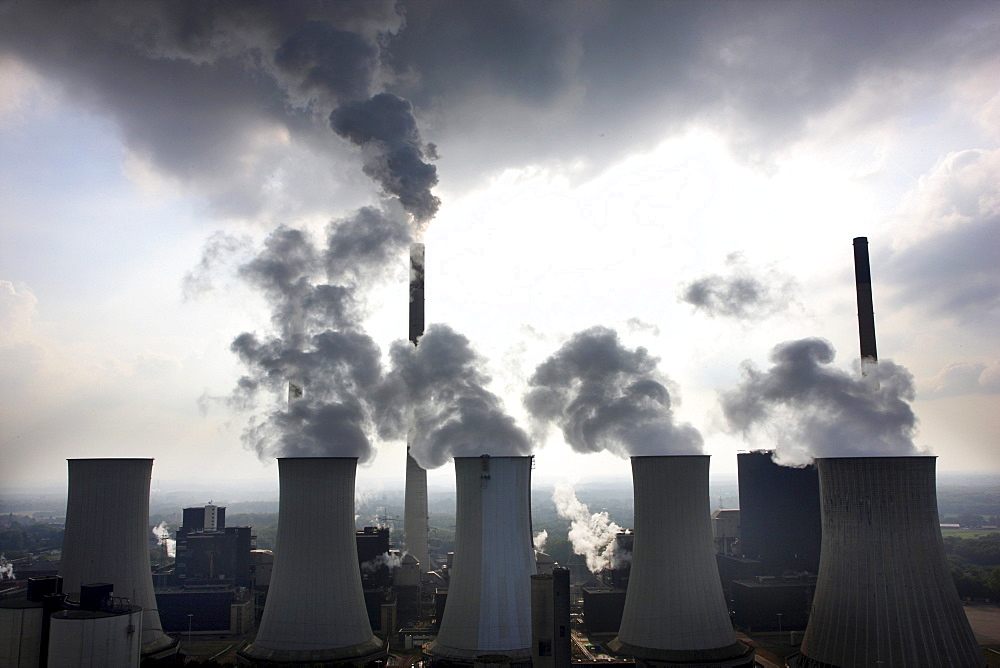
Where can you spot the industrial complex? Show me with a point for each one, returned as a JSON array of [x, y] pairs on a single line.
[[844, 557]]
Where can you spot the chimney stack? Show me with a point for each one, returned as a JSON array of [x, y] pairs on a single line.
[[107, 538], [415, 495], [866, 309], [675, 611], [315, 611], [488, 612], [884, 594], [416, 292]]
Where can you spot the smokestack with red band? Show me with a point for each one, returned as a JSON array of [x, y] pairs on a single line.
[[866, 311], [416, 292]]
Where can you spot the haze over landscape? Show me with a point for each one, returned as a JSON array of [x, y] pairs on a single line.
[[638, 220]]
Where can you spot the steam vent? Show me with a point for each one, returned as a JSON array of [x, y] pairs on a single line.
[[675, 613], [315, 612], [107, 521], [885, 596], [488, 613]]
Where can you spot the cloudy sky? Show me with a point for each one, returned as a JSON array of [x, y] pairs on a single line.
[[680, 181]]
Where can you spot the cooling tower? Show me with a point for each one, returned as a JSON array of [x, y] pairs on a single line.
[[415, 511], [489, 598], [885, 595], [107, 538], [315, 611], [675, 612]]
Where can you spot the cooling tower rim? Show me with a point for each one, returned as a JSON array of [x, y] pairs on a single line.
[[677, 456], [737, 651], [876, 457], [495, 456], [326, 457], [360, 653], [109, 459]]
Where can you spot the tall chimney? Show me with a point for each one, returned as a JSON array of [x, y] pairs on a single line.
[[675, 611], [416, 292], [489, 599], [415, 511], [884, 595], [415, 494], [315, 611], [107, 538], [866, 309]]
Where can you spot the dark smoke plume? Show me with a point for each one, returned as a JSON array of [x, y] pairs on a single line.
[[317, 343], [606, 397], [438, 388], [809, 409], [742, 294], [385, 125]]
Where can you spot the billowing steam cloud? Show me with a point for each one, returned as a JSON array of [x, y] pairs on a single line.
[[317, 341], [809, 409], [162, 533], [6, 568], [440, 386], [743, 293], [390, 560], [606, 397], [395, 159], [540, 539], [592, 535]]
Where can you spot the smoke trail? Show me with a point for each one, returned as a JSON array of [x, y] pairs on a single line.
[[606, 397], [439, 383], [539, 540], [162, 533], [809, 409], [6, 568], [592, 535], [316, 296], [743, 293], [395, 159], [388, 560]]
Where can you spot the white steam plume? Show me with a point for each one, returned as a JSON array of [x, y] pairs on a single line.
[[6, 568], [806, 408], [387, 559], [162, 533], [539, 540], [592, 535]]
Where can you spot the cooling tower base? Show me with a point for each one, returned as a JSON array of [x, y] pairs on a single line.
[[446, 657], [160, 648], [359, 654], [736, 655]]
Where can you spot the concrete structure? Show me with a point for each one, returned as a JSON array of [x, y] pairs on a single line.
[[551, 640], [866, 308], [488, 611], [726, 530], [20, 632], [107, 538], [675, 613], [884, 595], [315, 611], [779, 514], [96, 638]]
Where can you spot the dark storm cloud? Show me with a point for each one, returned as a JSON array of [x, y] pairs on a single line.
[[806, 408], [591, 81], [745, 293], [316, 293], [962, 379], [439, 389], [950, 269], [386, 123], [604, 396], [211, 93]]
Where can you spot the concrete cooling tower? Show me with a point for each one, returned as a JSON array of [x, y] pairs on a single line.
[[884, 596], [488, 612], [107, 538], [415, 511], [675, 613], [315, 611]]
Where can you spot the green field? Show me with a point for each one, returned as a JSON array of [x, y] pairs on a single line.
[[968, 533]]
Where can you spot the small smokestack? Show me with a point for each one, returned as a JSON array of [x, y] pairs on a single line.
[[315, 611], [416, 292], [489, 600], [866, 310], [107, 538], [884, 593], [675, 612]]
